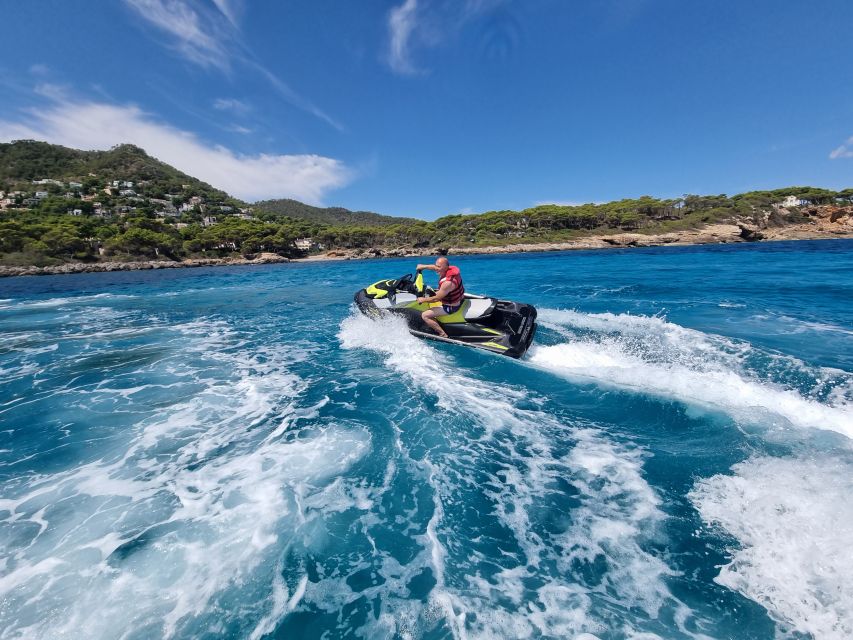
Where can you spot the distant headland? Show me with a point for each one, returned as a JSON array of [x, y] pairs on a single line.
[[68, 211]]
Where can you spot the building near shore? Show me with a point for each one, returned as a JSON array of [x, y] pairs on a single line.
[[307, 244], [793, 201]]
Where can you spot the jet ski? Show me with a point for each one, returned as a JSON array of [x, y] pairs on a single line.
[[499, 326]]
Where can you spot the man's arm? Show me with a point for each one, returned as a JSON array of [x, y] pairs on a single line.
[[429, 267], [443, 290]]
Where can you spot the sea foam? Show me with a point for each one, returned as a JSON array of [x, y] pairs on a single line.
[[792, 524], [653, 356], [541, 590], [161, 530]]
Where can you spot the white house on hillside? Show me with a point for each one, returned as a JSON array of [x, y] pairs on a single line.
[[793, 201]]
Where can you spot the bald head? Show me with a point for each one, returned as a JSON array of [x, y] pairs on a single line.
[[441, 265]]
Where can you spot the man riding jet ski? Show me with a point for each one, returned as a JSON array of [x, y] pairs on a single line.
[[451, 293], [500, 326]]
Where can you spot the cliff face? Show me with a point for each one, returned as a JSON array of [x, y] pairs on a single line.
[[826, 221], [820, 222]]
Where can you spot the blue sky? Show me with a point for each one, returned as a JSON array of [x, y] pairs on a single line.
[[425, 108]]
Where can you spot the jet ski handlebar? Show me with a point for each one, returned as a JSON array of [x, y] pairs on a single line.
[[416, 287]]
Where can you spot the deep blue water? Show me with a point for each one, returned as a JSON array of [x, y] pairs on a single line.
[[235, 453]]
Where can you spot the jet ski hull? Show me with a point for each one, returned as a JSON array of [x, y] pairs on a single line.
[[499, 326]]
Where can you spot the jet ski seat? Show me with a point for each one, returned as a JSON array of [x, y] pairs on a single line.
[[478, 308]]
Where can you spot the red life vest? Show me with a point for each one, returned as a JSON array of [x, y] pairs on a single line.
[[457, 293]]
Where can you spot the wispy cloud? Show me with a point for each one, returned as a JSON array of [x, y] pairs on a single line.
[[50, 90], [231, 9], [197, 34], [231, 104], [418, 24], [236, 128], [211, 38], [294, 98], [402, 22], [844, 151], [39, 69], [93, 125]]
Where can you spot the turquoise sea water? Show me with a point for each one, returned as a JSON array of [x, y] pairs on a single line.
[[235, 453]]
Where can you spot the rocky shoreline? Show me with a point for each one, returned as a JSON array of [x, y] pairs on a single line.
[[826, 223], [823, 223], [98, 267], [712, 234]]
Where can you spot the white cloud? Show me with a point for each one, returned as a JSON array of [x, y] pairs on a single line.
[[39, 69], [230, 104], [230, 9], [292, 97], [211, 38], [49, 90], [402, 21], [198, 37], [844, 151], [236, 128], [91, 125], [431, 22]]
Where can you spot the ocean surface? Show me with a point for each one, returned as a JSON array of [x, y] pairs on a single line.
[[237, 453]]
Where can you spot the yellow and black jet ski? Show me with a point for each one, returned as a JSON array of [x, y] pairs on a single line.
[[500, 326]]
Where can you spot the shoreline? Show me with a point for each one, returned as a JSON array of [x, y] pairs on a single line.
[[712, 234], [141, 265]]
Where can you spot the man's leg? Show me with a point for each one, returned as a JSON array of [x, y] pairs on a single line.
[[429, 317]]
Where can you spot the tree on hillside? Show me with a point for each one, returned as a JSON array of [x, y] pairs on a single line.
[[817, 196], [144, 242], [64, 240]]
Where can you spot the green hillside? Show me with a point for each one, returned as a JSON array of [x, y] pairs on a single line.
[[63, 205], [329, 215], [26, 160], [23, 161]]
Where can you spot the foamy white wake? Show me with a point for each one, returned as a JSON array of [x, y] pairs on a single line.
[[61, 301], [515, 464], [163, 529], [651, 355], [791, 517], [792, 520]]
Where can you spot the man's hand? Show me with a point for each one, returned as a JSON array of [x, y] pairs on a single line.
[[422, 300]]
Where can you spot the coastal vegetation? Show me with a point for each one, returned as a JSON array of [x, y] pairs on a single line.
[[64, 205], [331, 216]]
